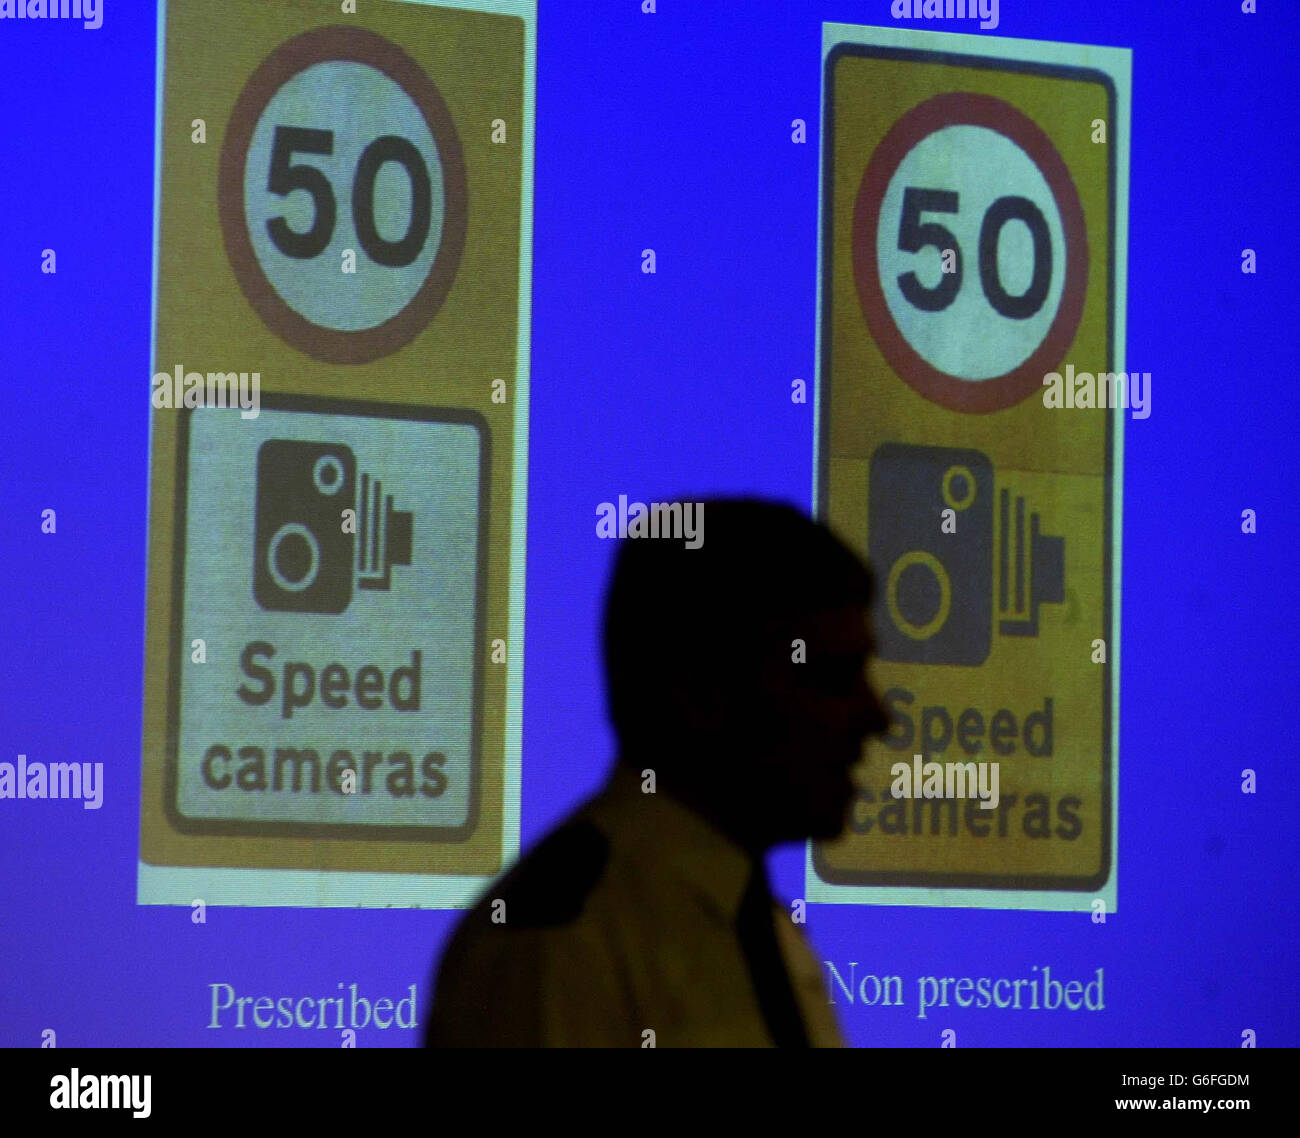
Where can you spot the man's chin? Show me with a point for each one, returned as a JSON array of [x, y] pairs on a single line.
[[825, 814], [827, 827]]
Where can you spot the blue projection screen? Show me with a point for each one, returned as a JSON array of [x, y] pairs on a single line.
[[341, 339]]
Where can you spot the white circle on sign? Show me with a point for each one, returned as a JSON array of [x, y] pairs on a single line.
[[970, 338], [357, 104], [327, 474], [308, 578]]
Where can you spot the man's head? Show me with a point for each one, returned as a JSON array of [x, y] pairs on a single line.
[[737, 671]]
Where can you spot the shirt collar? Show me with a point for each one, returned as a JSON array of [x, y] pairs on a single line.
[[682, 842]]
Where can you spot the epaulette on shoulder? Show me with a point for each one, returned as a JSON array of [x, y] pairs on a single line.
[[551, 884]]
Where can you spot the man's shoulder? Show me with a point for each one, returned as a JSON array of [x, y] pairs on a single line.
[[552, 884], [578, 898], [588, 861], [532, 927], [534, 942], [546, 892]]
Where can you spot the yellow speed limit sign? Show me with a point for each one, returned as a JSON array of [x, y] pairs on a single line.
[[973, 228], [338, 446]]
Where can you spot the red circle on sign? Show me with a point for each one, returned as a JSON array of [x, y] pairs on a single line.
[[353, 45], [963, 108]]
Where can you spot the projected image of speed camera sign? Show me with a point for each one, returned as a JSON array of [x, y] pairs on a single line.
[[335, 574], [973, 227], [356, 663]]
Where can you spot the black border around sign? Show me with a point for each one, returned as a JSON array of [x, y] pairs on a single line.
[[352, 831], [1011, 882]]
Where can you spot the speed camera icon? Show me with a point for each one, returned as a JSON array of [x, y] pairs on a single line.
[[306, 555], [938, 589]]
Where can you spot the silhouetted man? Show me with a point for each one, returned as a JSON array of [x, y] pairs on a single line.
[[738, 691]]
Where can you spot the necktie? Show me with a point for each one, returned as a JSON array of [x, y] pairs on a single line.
[[772, 985]]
